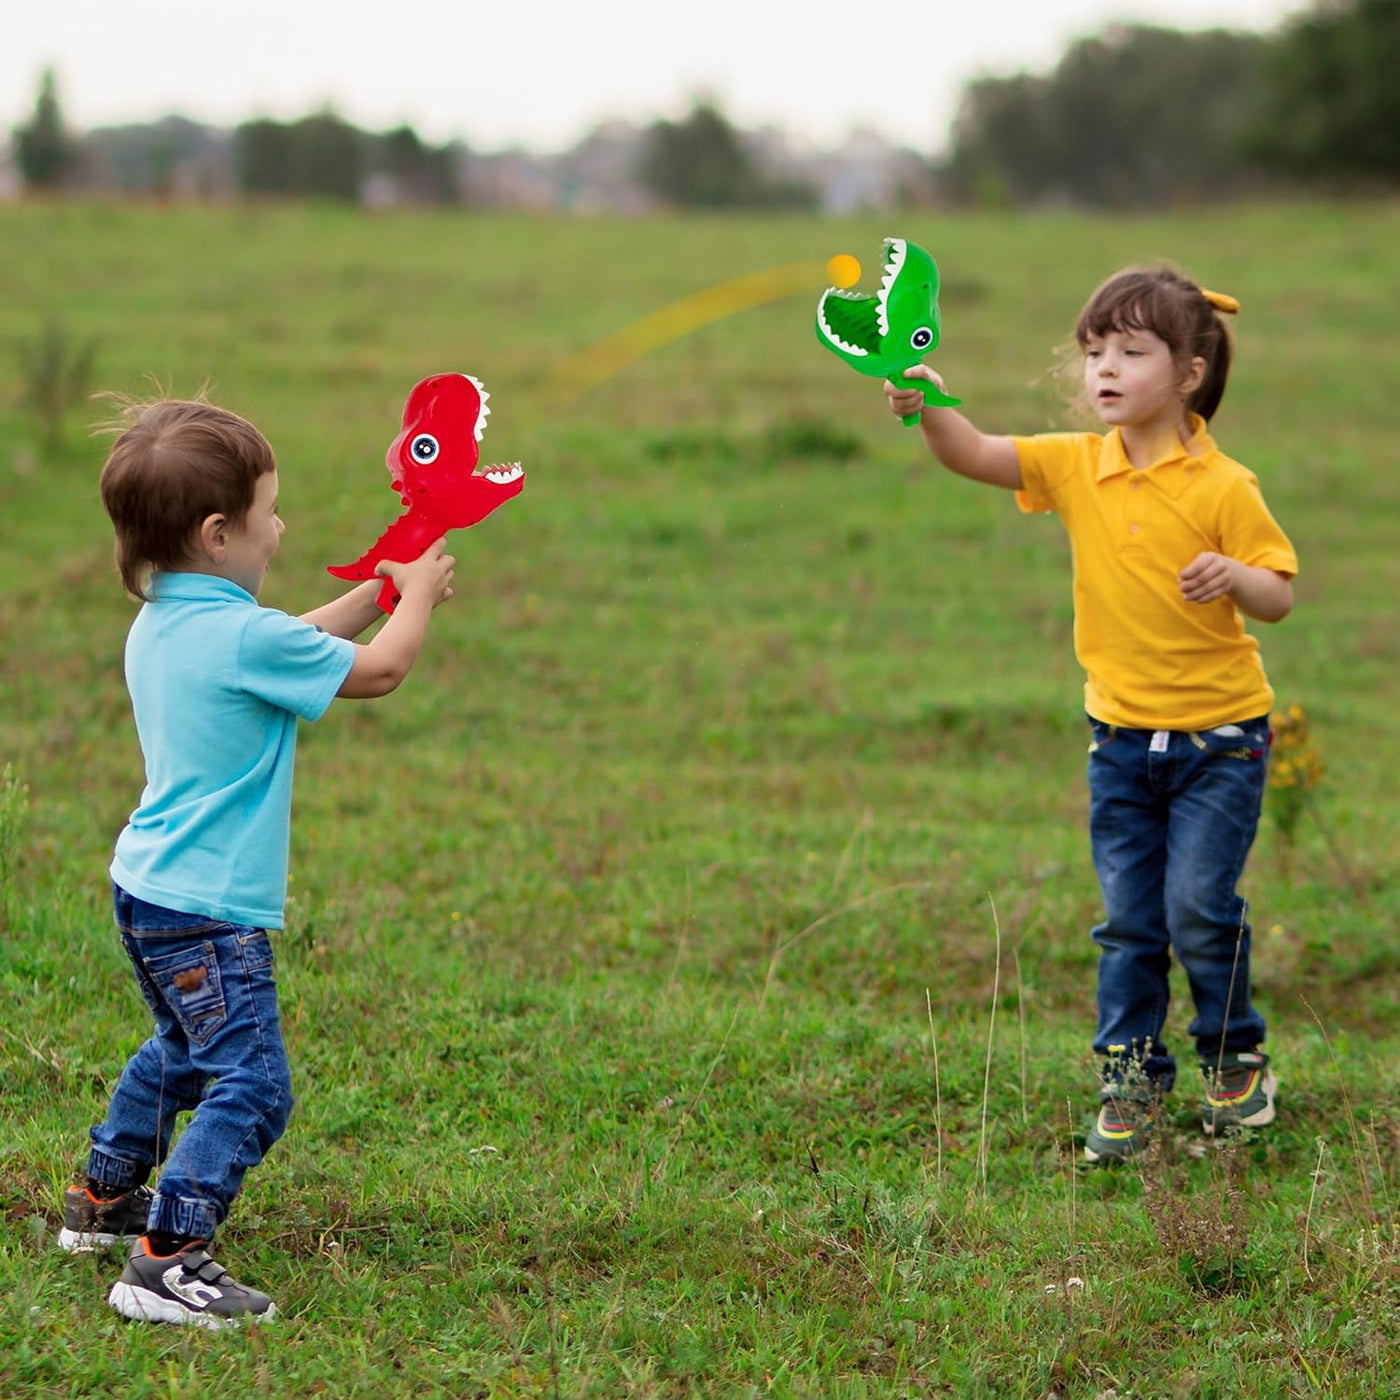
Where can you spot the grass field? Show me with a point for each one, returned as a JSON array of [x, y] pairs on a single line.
[[687, 972]]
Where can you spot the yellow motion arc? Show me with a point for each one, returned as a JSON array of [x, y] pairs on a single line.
[[589, 368]]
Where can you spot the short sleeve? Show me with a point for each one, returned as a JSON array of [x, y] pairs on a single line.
[[1047, 461], [292, 664], [1249, 533]]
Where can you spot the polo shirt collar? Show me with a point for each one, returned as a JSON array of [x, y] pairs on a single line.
[[168, 586], [1174, 470]]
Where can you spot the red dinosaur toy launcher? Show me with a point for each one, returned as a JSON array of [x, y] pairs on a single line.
[[433, 466]]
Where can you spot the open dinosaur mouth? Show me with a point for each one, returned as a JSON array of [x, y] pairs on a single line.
[[502, 473], [855, 322], [499, 473]]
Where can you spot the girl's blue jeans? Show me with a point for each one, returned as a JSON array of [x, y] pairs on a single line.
[[1172, 816], [217, 1052]]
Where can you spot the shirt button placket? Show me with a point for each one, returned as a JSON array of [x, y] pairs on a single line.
[[1134, 484]]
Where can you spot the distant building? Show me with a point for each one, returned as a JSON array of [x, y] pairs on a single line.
[[599, 175], [510, 179], [864, 172], [11, 185]]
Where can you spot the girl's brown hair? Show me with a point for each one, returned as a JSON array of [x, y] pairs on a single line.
[[1174, 308], [177, 462]]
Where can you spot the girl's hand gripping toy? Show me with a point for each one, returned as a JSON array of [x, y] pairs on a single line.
[[432, 465], [892, 331]]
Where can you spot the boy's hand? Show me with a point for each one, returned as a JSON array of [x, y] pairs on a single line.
[[430, 573], [1207, 577], [903, 402]]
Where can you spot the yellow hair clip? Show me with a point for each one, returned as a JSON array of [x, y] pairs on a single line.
[[1221, 301]]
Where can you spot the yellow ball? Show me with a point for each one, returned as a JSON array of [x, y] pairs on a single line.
[[843, 270]]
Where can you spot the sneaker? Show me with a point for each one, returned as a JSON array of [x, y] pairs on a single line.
[[91, 1223], [1123, 1128], [188, 1288], [1239, 1091]]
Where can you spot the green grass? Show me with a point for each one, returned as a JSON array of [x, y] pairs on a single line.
[[643, 949]]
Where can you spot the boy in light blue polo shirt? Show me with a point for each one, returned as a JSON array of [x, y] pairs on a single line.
[[199, 873], [219, 683]]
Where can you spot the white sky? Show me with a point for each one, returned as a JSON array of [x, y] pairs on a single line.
[[541, 74]]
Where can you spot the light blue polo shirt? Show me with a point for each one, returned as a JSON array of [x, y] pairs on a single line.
[[217, 684]]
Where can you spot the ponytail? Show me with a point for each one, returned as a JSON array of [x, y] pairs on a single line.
[[1217, 350]]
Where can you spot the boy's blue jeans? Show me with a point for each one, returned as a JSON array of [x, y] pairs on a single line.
[[217, 1050], [1172, 816]]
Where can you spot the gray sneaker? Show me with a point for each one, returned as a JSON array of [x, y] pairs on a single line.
[[90, 1223], [1240, 1091], [187, 1288], [1123, 1128]]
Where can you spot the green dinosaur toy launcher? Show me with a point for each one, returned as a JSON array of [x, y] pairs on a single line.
[[885, 334]]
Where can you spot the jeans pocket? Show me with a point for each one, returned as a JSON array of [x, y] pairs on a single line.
[[189, 984], [1100, 734], [1248, 742]]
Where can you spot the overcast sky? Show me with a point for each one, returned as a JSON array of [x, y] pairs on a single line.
[[541, 74]]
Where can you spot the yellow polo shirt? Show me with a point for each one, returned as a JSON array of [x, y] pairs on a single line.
[[1153, 660]]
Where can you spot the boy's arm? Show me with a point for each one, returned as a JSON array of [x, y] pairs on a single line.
[[381, 666], [951, 438], [348, 615]]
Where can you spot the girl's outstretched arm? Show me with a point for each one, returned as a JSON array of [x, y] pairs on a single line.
[[953, 439]]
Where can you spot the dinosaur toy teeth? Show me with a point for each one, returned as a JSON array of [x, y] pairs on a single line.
[[502, 473], [896, 252], [480, 427]]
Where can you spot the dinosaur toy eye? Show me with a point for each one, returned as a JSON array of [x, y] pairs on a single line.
[[424, 448], [922, 338]]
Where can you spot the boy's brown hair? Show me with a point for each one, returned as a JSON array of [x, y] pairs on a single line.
[[178, 462], [1178, 311]]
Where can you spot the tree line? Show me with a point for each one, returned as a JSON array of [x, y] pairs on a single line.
[[1135, 116], [1140, 115], [323, 156], [700, 160], [318, 156]]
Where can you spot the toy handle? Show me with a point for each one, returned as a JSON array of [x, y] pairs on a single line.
[[911, 419], [934, 397], [388, 598]]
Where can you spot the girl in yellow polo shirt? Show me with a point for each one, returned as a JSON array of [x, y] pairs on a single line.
[[1172, 543]]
